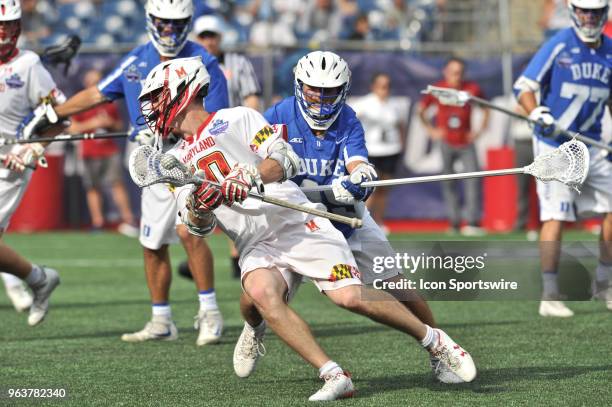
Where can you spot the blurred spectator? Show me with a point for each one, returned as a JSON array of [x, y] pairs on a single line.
[[269, 28], [608, 27], [453, 128], [102, 164], [361, 29], [242, 83], [522, 134], [33, 24], [384, 123], [555, 16], [321, 21]]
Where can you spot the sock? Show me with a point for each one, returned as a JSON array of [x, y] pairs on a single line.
[[550, 285], [10, 280], [430, 338], [36, 278], [259, 329], [603, 272], [208, 300], [162, 309], [329, 368]]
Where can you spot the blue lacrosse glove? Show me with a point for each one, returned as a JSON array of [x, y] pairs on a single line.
[[348, 190], [42, 117], [545, 122]]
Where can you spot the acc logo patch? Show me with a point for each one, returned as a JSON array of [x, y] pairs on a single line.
[[218, 127], [260, 137], [342, 271], [132, 74], [565, 60], [14, 81]]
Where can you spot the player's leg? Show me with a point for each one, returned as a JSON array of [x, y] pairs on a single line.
[[469, 160], [157, 231], [383, 308], [449, 192], [268, 290], [556, 206], [41, 280], [91, 181], [114, 178], [209, 320], [603, 272], [94, 204]]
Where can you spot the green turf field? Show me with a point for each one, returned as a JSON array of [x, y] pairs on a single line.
[[522, 358]]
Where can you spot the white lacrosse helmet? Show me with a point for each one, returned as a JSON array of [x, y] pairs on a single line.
[[168, 24], [591, 29], [168, 90], [10, 18], [329, 73]]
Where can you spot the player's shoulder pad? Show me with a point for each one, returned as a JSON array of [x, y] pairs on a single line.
[[29, 57]]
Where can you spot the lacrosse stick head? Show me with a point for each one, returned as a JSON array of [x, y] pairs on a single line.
[[569, 164], [150, 166], [448, 96]]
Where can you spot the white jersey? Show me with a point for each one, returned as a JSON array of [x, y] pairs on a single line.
[[266, 235], [381, 121]]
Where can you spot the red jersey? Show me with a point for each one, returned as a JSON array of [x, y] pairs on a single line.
[[608, 29], [103, 147], [455, 120]]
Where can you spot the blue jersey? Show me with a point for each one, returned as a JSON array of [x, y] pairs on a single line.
[[322, 159], [127, 79], [574, 82]]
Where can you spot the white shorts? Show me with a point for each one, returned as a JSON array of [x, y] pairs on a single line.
[[159, 216], [560, 202], [12, 189], [369, 242]]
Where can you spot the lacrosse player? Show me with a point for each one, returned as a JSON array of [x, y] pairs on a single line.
[[24, 82], [168, 25], [239, 150], [571, 72], [331, 148]]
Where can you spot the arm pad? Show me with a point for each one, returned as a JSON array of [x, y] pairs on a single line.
[[283, 154], [208, 220]]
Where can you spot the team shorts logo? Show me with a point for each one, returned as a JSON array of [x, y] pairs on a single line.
[[132, 74], [260, 137], [218, 127], [14, 81], [312, 226], [343, 271]]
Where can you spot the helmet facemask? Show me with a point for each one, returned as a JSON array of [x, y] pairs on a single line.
[[9, 35], [588, 23], [168, 35], [321, 105]]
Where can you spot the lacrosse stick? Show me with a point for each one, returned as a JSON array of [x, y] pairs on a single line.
[[454, 97], [569, 164], [3, 157], [149, 166], [62, 137]]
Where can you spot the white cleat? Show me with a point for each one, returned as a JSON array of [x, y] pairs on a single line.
[[20, 297], [602, 290], [442, 373], [41, 294], [210, 324], [454, 357], [338, 386], [158, 329], [248, 350], [553, 308], [472, 231]]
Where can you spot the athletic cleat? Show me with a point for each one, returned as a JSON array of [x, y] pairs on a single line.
[[41, 294], [129, 230], [158, 329], [553, 308], [472, 231], [454, 357], [602, 290], [337, 386], [20, 297], [210, 324], [247, 351], [442, 373]]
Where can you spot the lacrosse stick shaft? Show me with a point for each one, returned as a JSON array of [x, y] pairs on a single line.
[[567, 133], [64, 137], [428, 178]]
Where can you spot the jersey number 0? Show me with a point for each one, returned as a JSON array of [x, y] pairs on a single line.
[[215, 166]]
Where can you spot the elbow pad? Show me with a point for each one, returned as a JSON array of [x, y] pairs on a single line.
[[524, 84], [283, 154], [197, 230]]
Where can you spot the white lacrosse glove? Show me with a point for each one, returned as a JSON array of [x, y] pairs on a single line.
[[347, 189], [545, 122], [24, 156], [238, 183], [145, 137], [39, 119]]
